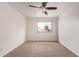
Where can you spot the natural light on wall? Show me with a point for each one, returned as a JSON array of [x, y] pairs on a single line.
[[44, 26]]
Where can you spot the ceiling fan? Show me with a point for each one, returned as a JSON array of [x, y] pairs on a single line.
[[44, 8]]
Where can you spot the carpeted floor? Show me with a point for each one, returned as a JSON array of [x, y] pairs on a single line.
[[41, 49]]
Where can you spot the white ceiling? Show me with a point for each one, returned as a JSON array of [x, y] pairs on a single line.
[[23, 8]]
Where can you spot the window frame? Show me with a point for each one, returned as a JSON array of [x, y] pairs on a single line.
[[44, 31]]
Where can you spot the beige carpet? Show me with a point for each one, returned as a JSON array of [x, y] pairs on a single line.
[[41, 49]]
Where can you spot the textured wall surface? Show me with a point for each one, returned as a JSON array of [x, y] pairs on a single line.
[[12, 29], [69, 28], [33, 35]]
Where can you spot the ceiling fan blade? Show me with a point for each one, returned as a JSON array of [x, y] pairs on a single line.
[[45, 12], [44, 4], [51, 8], [33, 6]]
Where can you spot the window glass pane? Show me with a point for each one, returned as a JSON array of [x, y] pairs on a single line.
[[44, 26]]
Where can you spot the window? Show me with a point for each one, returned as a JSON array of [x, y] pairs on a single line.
[[44, 26]]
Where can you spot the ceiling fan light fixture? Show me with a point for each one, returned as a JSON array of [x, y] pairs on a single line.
[[39, 11], [43, 8]]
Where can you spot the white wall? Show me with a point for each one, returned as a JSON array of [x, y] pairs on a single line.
[[12, 29], [69, 28], [33, 35]]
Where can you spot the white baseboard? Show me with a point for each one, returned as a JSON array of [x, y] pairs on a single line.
[[14, 47], [41, 40], [69, 48]]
